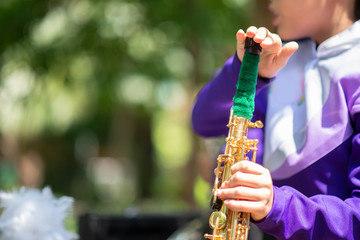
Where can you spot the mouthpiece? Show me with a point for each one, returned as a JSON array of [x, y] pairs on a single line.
[[252, 47]]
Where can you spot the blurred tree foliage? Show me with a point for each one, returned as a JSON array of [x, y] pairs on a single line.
[[96, 96]]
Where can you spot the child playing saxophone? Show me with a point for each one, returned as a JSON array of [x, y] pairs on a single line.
[[306, 184]]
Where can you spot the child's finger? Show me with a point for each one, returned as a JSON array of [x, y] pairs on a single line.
[[247, 167], [243, 193], [271, 40], [261, 34], [285, 53], [243, 206], [244, 179], [251, 31], [240, 35]]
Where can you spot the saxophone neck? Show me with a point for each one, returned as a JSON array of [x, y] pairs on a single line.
[[238, 126]]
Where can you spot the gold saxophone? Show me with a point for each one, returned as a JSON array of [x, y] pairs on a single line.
[[227, 224]]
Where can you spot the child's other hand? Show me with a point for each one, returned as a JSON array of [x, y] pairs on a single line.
[[249, 189], [273, 56]]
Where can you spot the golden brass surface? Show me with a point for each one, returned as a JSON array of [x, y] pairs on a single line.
[[227, 224], [217, 220]]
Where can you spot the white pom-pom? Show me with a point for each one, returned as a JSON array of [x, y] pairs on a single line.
[[31, 214]]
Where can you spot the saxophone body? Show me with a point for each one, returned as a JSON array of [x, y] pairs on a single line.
[[227, 224]]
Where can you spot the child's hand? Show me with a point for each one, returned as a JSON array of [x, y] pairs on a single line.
[[249, 189], [273, 56]]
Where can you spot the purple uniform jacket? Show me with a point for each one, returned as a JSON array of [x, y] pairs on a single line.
[[318, 199]]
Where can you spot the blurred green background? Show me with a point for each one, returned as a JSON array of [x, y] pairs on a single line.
[[96, 98]]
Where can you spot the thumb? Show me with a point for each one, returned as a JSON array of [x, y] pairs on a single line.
[[286, 52], [240, 37]]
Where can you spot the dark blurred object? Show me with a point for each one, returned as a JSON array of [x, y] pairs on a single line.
[[94, 226]]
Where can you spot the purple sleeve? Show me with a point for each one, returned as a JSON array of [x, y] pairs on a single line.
[[296, 216], [212, 107]]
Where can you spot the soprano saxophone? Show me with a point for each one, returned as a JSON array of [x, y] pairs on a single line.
[[225, 223]]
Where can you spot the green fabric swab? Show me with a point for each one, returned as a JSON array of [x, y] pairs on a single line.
[[244, 99]]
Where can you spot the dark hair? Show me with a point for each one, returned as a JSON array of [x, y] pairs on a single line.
[[357, 9]]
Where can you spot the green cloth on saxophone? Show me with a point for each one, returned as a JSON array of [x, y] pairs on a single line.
[[244, 99]]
